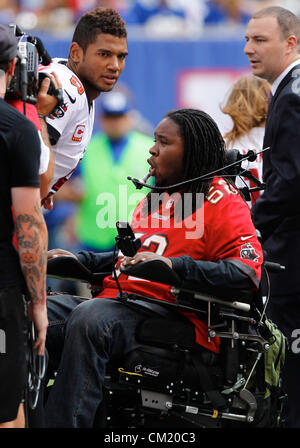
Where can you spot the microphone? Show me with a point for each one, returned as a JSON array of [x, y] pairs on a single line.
[[234, 159], [140, 183], [234, 156]]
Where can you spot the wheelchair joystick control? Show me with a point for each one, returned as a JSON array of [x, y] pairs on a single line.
[[126, 241]]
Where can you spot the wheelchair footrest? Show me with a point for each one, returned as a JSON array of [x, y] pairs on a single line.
[[166, 403]]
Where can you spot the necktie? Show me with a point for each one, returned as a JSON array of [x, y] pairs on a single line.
[[270, 97]]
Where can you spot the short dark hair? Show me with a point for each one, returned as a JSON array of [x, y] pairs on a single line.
[[288, 22], [8, 46], [97, 21]]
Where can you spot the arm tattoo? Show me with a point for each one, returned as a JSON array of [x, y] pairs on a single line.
[[32, 246]]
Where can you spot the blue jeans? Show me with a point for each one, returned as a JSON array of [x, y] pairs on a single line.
[[88, 333]]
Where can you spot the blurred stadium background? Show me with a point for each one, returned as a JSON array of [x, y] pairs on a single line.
[[181, 52]]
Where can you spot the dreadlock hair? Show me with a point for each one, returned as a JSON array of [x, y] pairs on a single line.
[[204, 152], [204, 147], [98, 20]]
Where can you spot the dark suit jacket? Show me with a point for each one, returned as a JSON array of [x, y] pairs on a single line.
[[277, 212]]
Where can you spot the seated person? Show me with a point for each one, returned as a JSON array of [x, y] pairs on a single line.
[[201, 229]]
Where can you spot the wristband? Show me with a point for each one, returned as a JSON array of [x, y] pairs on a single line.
[[42, 116]]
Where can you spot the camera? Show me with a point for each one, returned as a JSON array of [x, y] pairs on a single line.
[[26, 81]]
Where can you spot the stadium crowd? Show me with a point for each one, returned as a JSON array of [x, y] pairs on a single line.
[[182, 17]]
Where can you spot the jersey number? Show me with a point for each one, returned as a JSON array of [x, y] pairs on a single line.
[[215, 195], [157, 241]]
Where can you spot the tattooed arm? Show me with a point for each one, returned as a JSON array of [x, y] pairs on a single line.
[[32, 240]]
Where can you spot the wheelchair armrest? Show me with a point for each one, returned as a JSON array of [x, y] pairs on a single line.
[[224, 293], [70, 268], [153, 270], [158, 271]]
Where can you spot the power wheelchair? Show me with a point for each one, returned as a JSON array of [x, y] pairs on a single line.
[[170, 381]]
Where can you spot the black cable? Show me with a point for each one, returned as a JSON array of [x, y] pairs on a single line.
[[268, 293], [115, 272], [203, 177]]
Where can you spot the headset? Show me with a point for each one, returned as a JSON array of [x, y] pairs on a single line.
[[234, 159]]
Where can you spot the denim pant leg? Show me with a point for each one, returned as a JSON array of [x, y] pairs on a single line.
[[96, 331], [59, 307]]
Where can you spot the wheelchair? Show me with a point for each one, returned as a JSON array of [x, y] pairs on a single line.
[[169, 381]]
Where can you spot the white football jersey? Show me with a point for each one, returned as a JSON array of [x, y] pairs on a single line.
[[73, 123], [45, 155], [253, 140]]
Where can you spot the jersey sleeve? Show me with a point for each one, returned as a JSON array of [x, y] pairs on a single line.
[[231, 234], [62, 116], [96, 262], [45, 156], [233, 254]]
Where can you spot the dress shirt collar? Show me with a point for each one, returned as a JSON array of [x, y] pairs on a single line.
[[282, 75]]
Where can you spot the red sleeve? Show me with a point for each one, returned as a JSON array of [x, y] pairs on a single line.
[[31, 111], [231, 232]]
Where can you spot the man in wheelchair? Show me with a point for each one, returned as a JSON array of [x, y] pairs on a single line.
[[201, 234]]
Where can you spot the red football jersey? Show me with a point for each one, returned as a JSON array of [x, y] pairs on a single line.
[[31, 111], [220, 229]]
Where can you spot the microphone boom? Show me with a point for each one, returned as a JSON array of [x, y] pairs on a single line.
[[251, 156]]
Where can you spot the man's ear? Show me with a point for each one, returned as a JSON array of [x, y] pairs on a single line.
[[76, 52], [292, 43]]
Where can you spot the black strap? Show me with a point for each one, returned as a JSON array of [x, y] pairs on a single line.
[[218, 401], [136, 302], [155, 308]]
